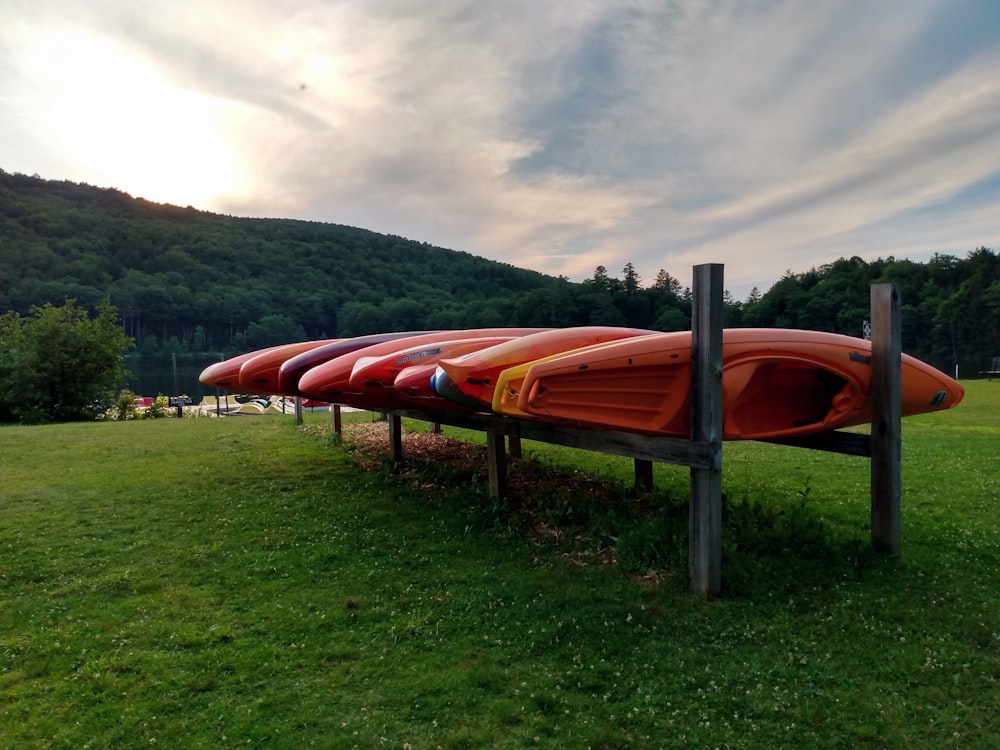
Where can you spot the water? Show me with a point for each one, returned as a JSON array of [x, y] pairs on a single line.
[[151, 379]]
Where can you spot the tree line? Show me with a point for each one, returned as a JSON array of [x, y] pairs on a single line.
[[950, 306], [187, 280], [192, 283]]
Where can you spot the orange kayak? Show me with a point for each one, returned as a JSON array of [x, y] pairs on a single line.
[[474, 376], [775, 382]]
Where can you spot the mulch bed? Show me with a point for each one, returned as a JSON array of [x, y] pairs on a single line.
[[369, 444]]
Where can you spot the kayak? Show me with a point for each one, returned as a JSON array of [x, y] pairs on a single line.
[[775, 383], [472, 379]]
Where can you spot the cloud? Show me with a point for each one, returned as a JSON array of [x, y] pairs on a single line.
[[566, 135]]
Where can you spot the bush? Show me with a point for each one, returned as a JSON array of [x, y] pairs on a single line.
[[124, 407], [59, 364], [160, 408]]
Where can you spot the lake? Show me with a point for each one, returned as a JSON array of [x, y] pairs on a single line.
[[151, 379]]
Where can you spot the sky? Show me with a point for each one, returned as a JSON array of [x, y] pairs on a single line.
[[557, 136]]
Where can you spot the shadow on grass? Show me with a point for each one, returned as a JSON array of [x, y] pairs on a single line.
[[767, 548]]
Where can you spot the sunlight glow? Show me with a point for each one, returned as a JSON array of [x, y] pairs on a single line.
[[126, 126]]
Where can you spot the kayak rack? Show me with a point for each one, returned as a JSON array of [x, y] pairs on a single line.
[[702, 453]]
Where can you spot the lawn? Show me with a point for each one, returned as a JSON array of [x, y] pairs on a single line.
[[214, 583]]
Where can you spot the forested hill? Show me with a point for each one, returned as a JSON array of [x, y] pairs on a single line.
[[192, 283], [950, 306], [208, 282]]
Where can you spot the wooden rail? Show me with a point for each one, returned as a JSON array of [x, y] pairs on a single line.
[[994, 369]]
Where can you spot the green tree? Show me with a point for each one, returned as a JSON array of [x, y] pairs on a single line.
[[59, 364], [360, 318], [602, 311], [405, 314], [666, 282], [272, 330], [672, 319], [603, 282], [632, 282]]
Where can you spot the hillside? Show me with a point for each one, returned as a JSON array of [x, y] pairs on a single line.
[[209, 281], [187, 282]]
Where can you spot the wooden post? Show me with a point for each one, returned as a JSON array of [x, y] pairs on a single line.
[[396, 437], [338, 427], [298, 410], [643, 475], [496, 460], [886, 434], [514, 446], [705, 514]]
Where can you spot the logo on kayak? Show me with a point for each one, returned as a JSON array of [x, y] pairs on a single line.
[[418, 355], [938, 399]]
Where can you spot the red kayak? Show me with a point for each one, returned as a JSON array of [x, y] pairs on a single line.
[[331, 380], [226, 374]]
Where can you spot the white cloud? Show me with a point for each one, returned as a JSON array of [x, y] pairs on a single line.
[[559, 136]]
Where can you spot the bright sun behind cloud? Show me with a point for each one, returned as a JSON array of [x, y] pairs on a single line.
[[126, 126]]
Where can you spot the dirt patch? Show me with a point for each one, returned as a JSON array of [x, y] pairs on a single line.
[[370, 448], [536, 494]]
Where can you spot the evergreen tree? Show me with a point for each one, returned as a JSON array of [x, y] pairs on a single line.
[[667, 283], [631, 280]]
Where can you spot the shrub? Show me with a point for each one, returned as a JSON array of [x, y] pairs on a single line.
[[124, 406], [59, 364], [158, 409]]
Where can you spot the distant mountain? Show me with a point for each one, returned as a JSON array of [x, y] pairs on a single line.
[[183, 278]]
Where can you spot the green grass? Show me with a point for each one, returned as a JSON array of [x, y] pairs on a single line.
[[238, 583]]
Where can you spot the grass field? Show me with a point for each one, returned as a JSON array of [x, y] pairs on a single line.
[[215, 583]]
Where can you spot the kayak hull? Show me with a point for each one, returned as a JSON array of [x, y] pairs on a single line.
[[260, 374], [775, 382], [228, 374], [474, 376], [331, 380]]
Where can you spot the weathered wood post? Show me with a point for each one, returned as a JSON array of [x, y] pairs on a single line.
[[298, 410], [496, 463], [338, 425], [514, 446], [396, 437], [886, 432], [705, 512], [643, 472]]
